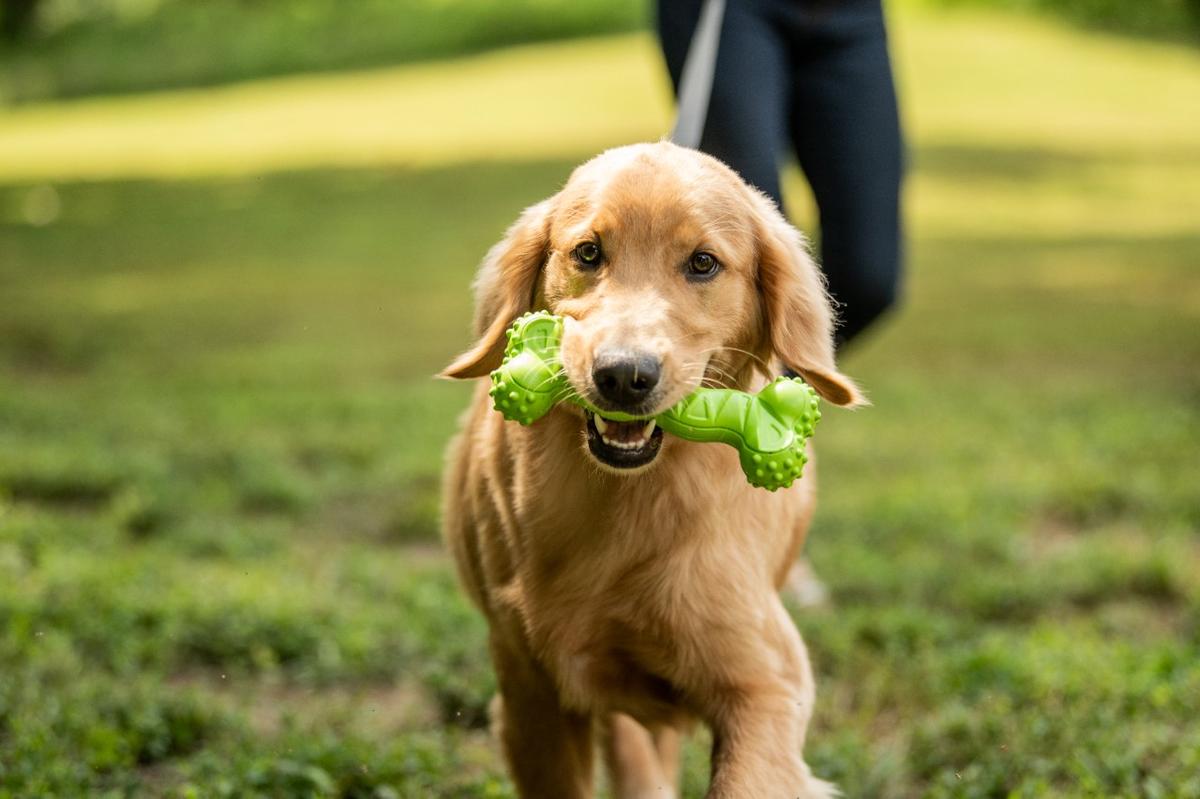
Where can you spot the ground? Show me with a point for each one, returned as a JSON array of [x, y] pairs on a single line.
[[220, 442]]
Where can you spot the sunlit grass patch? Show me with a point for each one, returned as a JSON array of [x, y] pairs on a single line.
[[970, 80], [530, 103]]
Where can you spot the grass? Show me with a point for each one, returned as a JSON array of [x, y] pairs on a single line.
[[488, 107], [1170, 19], [112, 47], [1117, 101], [125, 46], [220, 446]]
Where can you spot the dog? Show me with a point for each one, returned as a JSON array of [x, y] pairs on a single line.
[[630, 579]]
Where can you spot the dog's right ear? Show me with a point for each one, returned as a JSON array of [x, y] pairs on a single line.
[[504, 289]]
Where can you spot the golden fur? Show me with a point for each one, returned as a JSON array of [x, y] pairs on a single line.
[[623, 605]]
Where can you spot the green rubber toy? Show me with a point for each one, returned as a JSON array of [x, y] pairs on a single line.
[[768, 429]]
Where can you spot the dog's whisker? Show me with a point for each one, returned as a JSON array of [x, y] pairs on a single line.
[[722, 378], [712, 367], [729, 348], [701, 376]]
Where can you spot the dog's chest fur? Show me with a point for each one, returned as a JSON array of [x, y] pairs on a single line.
[[616, 581]]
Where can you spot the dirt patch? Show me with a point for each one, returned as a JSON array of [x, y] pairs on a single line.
[[270, 706]]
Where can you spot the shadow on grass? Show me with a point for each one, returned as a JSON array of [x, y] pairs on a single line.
[[179, 44]]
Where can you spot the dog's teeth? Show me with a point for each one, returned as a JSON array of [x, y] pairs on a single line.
[[625, 431]]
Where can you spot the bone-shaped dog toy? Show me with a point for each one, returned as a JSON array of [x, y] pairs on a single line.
[[768, 429]]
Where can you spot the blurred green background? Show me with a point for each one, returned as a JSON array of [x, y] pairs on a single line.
[[227, 274]]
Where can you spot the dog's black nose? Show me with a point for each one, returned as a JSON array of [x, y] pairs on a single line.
[[625, 379]]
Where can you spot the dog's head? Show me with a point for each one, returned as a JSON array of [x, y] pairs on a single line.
[[671, 272]]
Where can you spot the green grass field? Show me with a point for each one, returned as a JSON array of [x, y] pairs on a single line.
[[78, 49], [220, 444]]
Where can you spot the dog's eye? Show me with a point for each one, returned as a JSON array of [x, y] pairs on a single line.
[[702, 266], [588, 254]]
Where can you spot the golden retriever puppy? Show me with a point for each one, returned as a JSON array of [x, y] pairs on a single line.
[[630, 579]]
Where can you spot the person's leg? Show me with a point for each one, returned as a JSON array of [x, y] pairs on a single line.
[[746, 126], [845, 127]]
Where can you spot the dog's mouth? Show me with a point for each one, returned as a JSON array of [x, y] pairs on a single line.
[[623, 445]]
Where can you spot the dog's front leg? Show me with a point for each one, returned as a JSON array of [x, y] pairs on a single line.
[[548, 749], [757, 751], [759, 720]]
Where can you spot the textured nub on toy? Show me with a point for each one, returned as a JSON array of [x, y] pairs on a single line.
[[777, 457], [768, 429], [530, 379]]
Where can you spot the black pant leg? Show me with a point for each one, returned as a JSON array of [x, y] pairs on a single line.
[[845, 128], [747, 114]]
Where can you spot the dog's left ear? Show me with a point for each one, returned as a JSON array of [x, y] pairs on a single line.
[[504, 289], [798, 312]]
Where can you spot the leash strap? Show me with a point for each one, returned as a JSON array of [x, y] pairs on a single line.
[[695, 83]]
